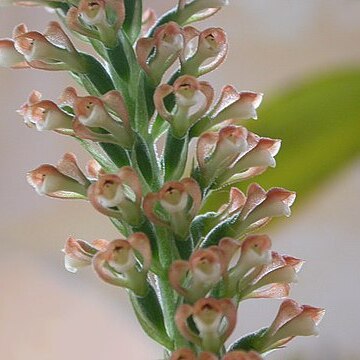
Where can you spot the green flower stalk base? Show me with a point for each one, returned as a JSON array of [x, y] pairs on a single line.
[[186, 271]]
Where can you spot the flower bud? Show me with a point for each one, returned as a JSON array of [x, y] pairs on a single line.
[[45, 114], [118, 195], [64, 181], [207, 315], [180, 201], [118, 263], [261, 206], [292, 320], [10, 57], [205, 267], [100, 20], [193, 99], [271, 280], [52, 50], [79, 253], [157, 54]]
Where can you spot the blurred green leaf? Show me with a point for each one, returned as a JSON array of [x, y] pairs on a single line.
[[319, 124]]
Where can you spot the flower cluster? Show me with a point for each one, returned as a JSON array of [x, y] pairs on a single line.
[[187, 271]]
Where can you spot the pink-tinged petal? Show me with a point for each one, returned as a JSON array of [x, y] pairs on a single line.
[[10, 57], [255, 196], [114, 100], [183, 354], [177, 273], [68, 97], [93, 169], [288, 310], [141, 243], [74, 24], [68, 166], [79, 253], [272, 291], [47, 180], [229, 247], [149, 203], [130, 177], [83, 132], [183, 312], [262, 155], [230, 313], [57, 36], [19, 30], [237, 200], [160, 94], [144, 46], [205, 146], [149, 18], [295, 263], [193, 189]]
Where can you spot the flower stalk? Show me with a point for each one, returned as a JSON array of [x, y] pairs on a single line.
[[186, 272]]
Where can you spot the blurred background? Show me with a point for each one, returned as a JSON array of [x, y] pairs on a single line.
[[305, 56]]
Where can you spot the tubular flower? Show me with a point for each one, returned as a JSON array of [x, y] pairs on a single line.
[[118, 195], [65, 181], [79, 253], [179, 202], [108, 113], [261, 206], [232, 107], [205, 268], [52, 50], [193, 99], [217, 151], [211, 51], [271, 279], [45, 114], [254, 253], [292, 320], [10, 57], [196, 10], [207, 315], [156, 54], [125, 263], [99, 19]]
